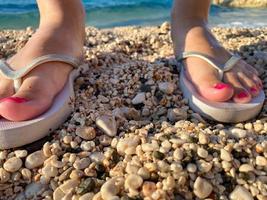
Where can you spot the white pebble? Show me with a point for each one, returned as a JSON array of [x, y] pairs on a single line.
[[35, 159], [226, 156], [133, 181], [12, 164], [139, 98]]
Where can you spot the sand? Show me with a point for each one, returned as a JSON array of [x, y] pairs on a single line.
[[156, 147]]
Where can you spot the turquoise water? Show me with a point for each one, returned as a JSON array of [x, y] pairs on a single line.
[[16, 14]]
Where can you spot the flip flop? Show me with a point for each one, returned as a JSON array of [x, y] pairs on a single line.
[[15, 134], [228, 112]]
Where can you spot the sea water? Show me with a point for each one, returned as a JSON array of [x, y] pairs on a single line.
[[17, 14]]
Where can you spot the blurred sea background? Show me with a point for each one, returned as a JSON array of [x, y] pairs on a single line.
[[17, 14]]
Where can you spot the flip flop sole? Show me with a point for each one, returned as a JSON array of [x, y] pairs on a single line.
[[227, 112], [15, 134]]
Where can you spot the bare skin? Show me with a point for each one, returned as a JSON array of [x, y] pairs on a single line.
[[190, 33], [58, 32]]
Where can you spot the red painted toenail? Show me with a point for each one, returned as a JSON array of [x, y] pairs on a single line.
[[253, 90], [14, 99], [221, 86], [242, 95]]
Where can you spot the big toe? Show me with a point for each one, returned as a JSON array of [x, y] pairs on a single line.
[[22, 107], [215, 90]]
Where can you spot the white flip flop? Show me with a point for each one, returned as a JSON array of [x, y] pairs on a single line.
[[15, 134], [228, 112]]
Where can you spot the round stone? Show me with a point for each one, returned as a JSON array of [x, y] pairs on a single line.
[[133, 181], [4, 175], [202, 188], [203, 138], [21, 153], [12, 164], [261, 161], [202, 153], [148, 188], [192, 168], [86, 133], [35, 159]]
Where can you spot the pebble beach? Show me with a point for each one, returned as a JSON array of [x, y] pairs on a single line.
[[132, 135]]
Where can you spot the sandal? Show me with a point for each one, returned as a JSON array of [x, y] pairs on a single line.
[[15, 134], [228, 112]]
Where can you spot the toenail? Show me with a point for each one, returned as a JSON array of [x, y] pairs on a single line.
[[14, 99], [242, 95], [253, 90], [221, 86]]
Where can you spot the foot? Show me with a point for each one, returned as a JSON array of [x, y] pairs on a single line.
[[42, 84], [240, 84]]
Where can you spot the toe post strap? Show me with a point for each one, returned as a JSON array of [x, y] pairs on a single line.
[[17, 75], [221, 68]]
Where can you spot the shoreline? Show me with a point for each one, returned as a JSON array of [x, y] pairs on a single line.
[[162, 149]]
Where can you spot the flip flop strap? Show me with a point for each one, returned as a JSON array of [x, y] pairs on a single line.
[[221, 68], [17, 75]]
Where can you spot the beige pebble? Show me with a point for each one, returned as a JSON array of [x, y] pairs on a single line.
[[49, 171], [127, 146], [82, 163], [87, 196], [35, 159], [202, 188], [21, 153], [148, 188], [110, 188], [226, 156], [240, 193], [133, 181], [246, 168], [12, 164], [261, 161], [4, 175], [203, 138], [68, 185], [203, 153], [107, 124], [26, 174], [58, 194], [86, 133], [178, 154]]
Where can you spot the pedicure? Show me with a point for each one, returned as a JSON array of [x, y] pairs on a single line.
[[242, 95], [14, 99], [221, 86], [253, 90]]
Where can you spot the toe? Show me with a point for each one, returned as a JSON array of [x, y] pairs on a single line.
[[214, 90], [247, 81], [241, 94], [24, 106]]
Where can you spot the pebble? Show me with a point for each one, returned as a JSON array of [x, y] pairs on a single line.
[[86, 133], [202, 188], [49, 171], [133, 181], [107, 124], [87, 196], [82, 163], [178, 154], [4, 175], [69, 185], [13, 164], [246, 168], [35, 159], [176, 114], [111, 188], [226, 156], [97, 157], [127, 146], [202, 153], [167, 87], [238, 133], [139, 98], [261, 161], [240, 193], [203, 138], [21, 153], [192, 168], [148, 188]]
